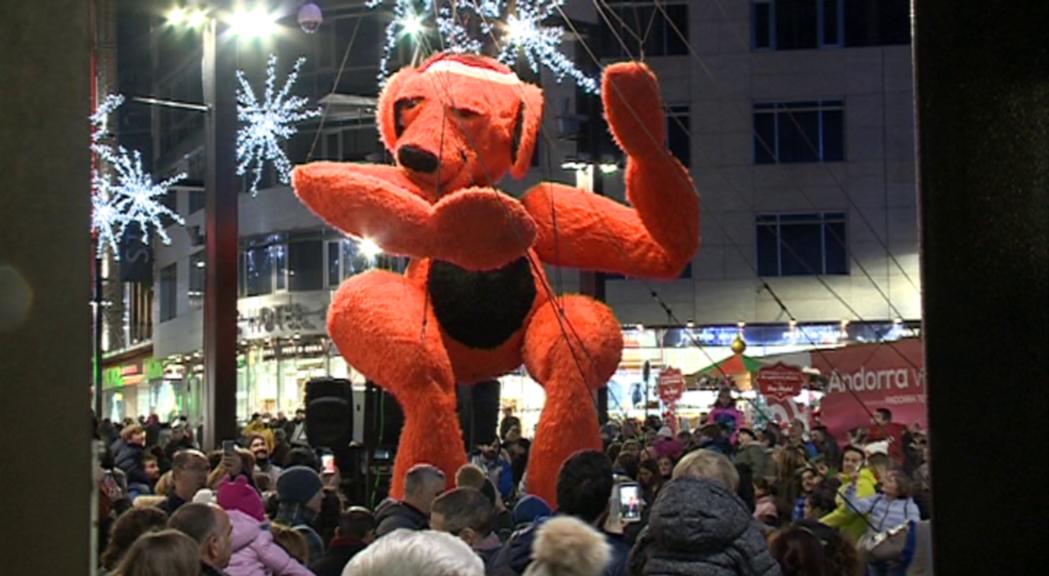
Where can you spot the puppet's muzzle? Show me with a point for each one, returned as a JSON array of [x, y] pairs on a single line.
[[416, 159]]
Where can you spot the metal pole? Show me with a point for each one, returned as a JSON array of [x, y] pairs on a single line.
[[98, 339], [221, 244]]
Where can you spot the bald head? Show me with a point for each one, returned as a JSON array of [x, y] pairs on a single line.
[[210, 527]]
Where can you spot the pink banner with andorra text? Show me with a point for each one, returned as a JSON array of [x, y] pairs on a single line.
[[884, 375]]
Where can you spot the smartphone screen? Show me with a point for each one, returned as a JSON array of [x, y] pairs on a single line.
[[328, 463], [630, 502], [229, 447]]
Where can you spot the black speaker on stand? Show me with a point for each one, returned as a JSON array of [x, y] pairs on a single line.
[[478, 406], [329, 421], [383, 420]]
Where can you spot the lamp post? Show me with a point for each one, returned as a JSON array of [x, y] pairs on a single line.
[[221, 239], [221, 247]]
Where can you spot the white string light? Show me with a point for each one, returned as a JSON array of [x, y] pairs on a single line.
[[522, 31], [265, 124], [126, 195]]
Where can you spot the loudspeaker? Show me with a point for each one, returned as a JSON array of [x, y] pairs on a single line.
[[329, 413], [383, 420], [478, 406]]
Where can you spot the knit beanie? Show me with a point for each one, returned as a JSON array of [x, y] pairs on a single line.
[[529, 509], [298, 484], [204, 496], [238, 495]]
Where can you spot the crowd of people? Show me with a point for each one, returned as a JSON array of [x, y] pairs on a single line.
[[720, 499]]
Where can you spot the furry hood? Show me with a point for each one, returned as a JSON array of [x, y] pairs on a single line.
[[565, 546]]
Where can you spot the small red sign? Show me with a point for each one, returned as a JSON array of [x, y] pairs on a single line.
[[780, 381], [671, 385]]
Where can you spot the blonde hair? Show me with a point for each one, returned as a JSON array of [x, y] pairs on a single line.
[[292, 542], [164, 553], [710, 465], [421, 553], [128, 431], [164, 484]]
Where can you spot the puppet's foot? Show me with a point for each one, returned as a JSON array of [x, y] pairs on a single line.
[[570, 364]]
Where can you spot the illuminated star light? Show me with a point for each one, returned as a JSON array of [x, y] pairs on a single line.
[[131, 197], [541, 44], [264, 125], [126, 195], [523, 32]]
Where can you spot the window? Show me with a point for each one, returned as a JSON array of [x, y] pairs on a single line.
[[334, 268], [279, 254], [802, 244], [644, 28], [877, 22], [196, 280], [795, 132], [678, 129], [353, 143], [796, 24], [258, 271], [305, 265], [168, 292]]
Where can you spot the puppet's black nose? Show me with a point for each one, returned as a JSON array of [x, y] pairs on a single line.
[[417, 159]]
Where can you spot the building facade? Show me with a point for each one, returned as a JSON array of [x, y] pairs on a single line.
[[794, 116]]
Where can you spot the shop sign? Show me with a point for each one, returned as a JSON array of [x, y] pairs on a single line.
[[281, 320], [780, 381], [112, 378]]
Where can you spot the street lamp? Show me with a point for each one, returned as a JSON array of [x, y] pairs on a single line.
[[221, 249]]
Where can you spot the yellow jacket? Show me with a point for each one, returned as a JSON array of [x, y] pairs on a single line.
[[845, 519]]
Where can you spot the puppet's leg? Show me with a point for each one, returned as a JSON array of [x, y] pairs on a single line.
[[377, 321], [570, 363]]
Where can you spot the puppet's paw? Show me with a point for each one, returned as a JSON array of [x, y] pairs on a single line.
[[634, 108], [481, 229]]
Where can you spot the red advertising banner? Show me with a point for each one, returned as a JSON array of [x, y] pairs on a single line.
[[885, 375], [780, 381]]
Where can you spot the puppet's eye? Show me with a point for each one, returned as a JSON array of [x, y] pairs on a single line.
[[408, 103], [465, 113]]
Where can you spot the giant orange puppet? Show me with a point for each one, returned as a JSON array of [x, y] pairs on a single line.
[[475, 303]]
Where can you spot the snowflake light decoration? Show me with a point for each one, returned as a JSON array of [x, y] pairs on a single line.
[[522, 31], [267, 123], [125, 193]]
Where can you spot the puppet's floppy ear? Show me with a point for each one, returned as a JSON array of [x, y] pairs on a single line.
[[526, 127], [389, 108]]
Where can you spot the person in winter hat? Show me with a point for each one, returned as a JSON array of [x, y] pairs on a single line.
[[254, 551], [529, 509], [565, 546], [299, 496], [697, 527]]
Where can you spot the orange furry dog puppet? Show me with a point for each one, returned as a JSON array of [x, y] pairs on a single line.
[[474, 303]]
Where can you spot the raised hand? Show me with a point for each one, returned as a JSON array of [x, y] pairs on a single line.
[[634, 109]]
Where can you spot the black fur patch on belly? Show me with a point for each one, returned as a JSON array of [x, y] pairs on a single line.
[[481, 309]]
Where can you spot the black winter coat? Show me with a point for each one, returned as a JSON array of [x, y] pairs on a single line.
[[391, 515], [128, 457], [698, 528]]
